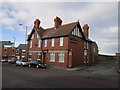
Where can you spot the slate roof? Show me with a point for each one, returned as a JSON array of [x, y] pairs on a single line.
[[63, 30], [2, 43], [22, 46]]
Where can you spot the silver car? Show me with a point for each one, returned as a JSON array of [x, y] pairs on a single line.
[[22, 62], [4, 60]]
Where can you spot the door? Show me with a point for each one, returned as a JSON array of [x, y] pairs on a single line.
[[44, 58]]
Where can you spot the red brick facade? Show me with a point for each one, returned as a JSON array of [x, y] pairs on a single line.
[[7, 50], [76, 50], [21, 51]]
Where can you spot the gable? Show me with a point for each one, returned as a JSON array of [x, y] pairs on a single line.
[[63, 30], [76, 31], [39, 33]]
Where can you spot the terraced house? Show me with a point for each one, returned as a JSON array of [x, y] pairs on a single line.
[[62, 45], [7, 50], [21, 51]]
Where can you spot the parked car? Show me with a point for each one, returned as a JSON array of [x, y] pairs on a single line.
[[37, 64], [22, 62], [13, 60], [4, 60]]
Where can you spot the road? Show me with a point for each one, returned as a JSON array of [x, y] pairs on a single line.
[[25, 77]]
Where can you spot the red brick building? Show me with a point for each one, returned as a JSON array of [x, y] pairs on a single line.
[[7, 50], [21, 51], [62, 45]]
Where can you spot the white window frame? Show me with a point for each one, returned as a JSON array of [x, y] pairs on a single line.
[[78, 32], [31, 44], [74, 31], [52, 42], [17, 51], [61, 41], [39, 55], [61, 54], [85, 53], [45, 43], [29, 55], [39, 43], [53, 56], [23, 51]]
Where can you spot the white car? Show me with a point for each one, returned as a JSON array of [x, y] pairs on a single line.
[[4, 60], [22, 62]]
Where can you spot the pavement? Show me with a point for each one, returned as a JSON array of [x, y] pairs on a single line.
[[103, 68]]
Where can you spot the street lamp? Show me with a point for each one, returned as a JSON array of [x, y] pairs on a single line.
[[25, 35], [14, 40], [13, 51], [25, 40]]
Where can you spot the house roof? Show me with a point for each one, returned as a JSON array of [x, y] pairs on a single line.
[[63, 30], [2, 43], [22, 46]]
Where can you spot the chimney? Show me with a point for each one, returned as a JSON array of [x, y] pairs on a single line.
[[86, 30], [36, 23], [57, 22]]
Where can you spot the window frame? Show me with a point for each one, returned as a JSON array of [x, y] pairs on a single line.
[[52, 42], [30, 54], [62, 55], [61, 41], [30, 43], [53, 56], [85, 53], [17, 51], [23, 51], [45, 43], [39, 43], [39, 54]]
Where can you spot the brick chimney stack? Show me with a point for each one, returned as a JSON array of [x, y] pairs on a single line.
[[57, 22], [36, 23], [86, 30]]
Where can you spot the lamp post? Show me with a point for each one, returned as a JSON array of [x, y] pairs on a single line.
[[25, 39], [13, 48], [25, 35], [14, 40]]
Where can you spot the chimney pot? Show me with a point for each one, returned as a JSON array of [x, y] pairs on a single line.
[[57, 22], [86, 29], [36, 23]]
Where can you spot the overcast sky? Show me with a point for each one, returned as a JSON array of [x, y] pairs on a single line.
[[102, 18]]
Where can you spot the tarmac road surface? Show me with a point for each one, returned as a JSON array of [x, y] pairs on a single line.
[[25, 77]]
